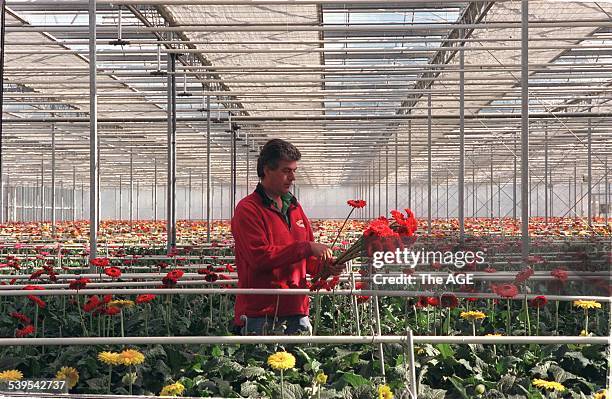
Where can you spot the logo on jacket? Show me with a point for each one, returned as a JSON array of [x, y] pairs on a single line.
[[300, 223]]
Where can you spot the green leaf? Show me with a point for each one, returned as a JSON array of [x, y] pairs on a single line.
[[458, 384], [561, 375], [249, 389], [445, 350], [216, 351], [506, 382], [354, 380], [252, 372]]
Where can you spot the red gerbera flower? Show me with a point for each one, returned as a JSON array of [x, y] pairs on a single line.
[[111, 310], [560, 274], [449, 301], [379, 228], [79, 283], [113, 272], [21, 317], [356, 203], [100, 262], [175, 274], [523, 275], [24, 332], [539, 301], [144, 298], [36, 274], [91, 304], [433, 301], [422, 302], [211, 277], [168, 282], [506, 290], [41, 304]]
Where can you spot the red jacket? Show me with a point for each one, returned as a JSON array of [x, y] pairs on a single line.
[[267, 251]]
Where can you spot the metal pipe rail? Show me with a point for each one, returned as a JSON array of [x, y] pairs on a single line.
[[343, 277], [246, 119], [389, 27], [336, 339], [279, 291]]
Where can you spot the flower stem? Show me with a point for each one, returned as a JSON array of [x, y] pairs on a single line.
[[131, 379], [121, 317], [557, 317], [508, 332], [110, 376], [528, 329], [282, 385], [538, 321], [340, 231], [586, 321]]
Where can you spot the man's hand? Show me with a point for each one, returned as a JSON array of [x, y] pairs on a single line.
[[333, 269], [321, 251]]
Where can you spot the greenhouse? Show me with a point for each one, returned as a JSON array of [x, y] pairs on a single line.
[[305, 199]]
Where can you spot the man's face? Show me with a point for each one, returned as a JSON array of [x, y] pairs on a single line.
[[278, 181]]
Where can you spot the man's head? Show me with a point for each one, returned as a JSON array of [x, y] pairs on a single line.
[[276, 166]]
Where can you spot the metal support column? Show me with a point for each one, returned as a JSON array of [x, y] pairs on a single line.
[[93, 136], [546, 175], [378, 182], [53, 179], [589, 175], [461, 178], [514, 158], [2, 39], [396, 169], [429, 163], [155, 190], [525, 129], [607, 193], [73, 193], [208, 168], [171, 178], [447, 199], [137, 207], [189, 197], [410, 164], [386, 180], [491, 182], [575, 189], [42, 190], [131, 193]]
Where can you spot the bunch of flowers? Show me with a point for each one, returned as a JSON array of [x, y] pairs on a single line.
[[381, 233]]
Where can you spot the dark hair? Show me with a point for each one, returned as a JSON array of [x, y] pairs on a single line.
[[273, 151]]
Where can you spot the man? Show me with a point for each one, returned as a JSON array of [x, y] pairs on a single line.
[[274, 247]]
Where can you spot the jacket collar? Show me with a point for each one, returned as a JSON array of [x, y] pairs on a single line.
[[267, 201]]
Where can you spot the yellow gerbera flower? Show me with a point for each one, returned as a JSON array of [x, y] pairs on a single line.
[[587, 304], [175, 389], [494, 335], [110, 358], [121, 303], [384, 392], [281, 361], [472, 315], [131, 357], [549, 385], [68, 374], [321, 378], [11, 375], [601, 394]]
